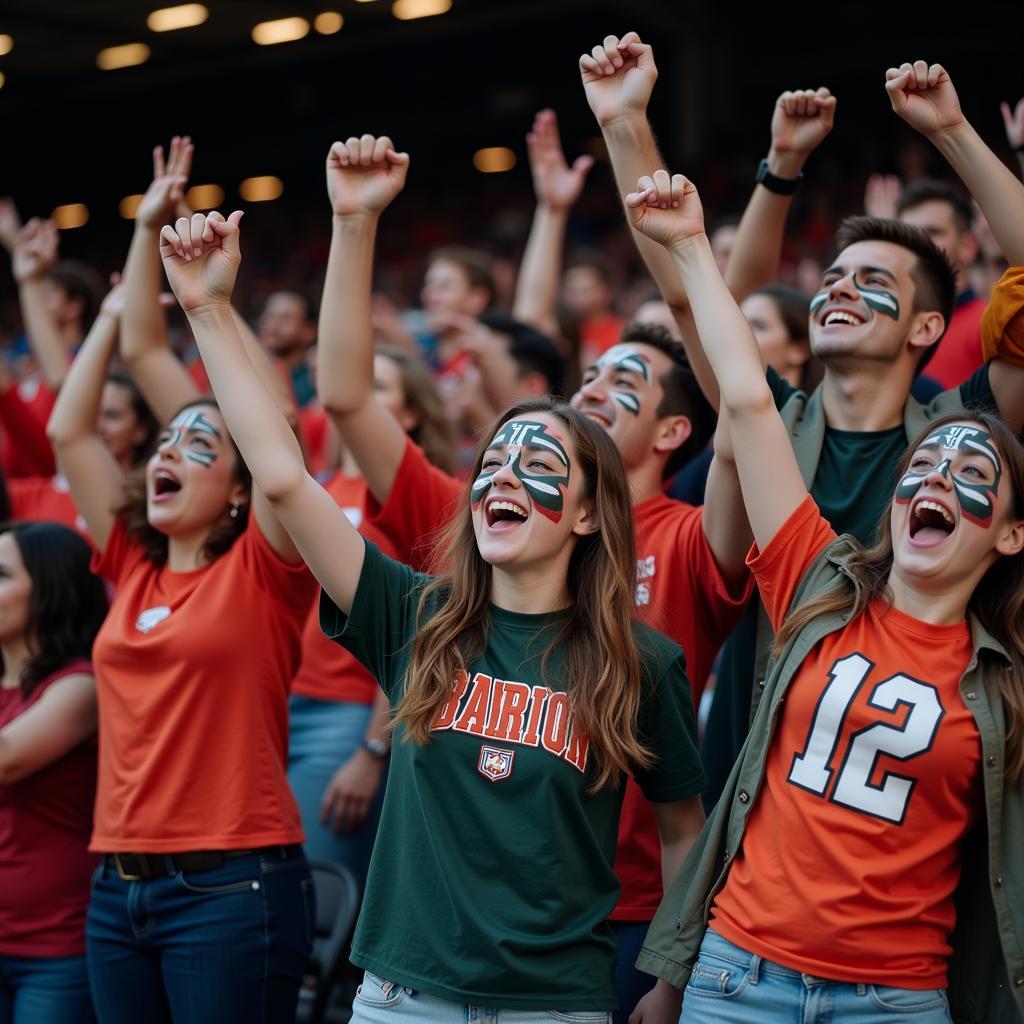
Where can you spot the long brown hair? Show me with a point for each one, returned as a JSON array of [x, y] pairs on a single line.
[[434, 431], [602, 659], [997, 601], [133, 511]]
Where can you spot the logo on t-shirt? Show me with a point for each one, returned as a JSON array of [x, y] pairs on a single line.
[[644, 571], [495, 764], [151, 618]]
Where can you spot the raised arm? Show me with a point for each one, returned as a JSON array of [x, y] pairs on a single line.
[[924, 97], [201, 256], [96, 480], [800, 122], [669, 212], [1013, 122], [557, 187], [363, 177], [156, 370], [35, 253]]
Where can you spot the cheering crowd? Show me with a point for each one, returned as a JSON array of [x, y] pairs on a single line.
[[442, 604]]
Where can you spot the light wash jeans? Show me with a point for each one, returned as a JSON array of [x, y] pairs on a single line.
[[380, 1002], [731, 986]]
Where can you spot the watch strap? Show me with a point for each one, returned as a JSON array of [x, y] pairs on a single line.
[[772, 182]]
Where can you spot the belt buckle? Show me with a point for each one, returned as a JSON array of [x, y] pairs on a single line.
[[124, 875]]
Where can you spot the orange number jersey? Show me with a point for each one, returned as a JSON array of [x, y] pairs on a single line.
[[851, 855]]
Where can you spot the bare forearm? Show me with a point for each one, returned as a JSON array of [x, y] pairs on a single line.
[[78, 403], [277, 385], [998, 191], [44, 336], [261, 432], [143, 324], [345, 353], [537, 288]]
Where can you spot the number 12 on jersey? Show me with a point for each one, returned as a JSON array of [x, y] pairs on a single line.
[[889, 796]]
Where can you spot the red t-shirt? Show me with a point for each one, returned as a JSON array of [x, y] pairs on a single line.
[[193, 671], [851, 853], [328, 671], [44, 499], [45, 820], [959, 351], [26, 449], [680, 591], [599, 335]]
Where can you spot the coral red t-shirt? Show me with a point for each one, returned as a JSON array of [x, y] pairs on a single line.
[[26, 449], [44, 499], [959, 352], [193, 671], [45, 820], [680, 591], [851, 853], [328, 671]]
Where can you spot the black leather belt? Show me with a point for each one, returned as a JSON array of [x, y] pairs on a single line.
[[134, 866]]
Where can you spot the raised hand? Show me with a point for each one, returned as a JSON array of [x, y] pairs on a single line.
[[1013, 122], [618, 77], [201, 256], [364, 175], [667, 210], [557, 185], [923, 95], [35, 250], [10, 223], [800, 123], [167, 189], [882, 196]]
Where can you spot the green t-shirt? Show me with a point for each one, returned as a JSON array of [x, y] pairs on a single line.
[[491, 878]]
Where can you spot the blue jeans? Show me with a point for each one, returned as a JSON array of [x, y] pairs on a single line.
[[322, 736], [380, 1002], [44, 990], [224, 946], [731, 986], [631, 985]]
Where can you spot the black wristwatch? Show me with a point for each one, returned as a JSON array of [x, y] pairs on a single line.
[[772, 182], [377, 749]]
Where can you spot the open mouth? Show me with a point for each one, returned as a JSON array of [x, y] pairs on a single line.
[[165, 484], [930, 522], [842, 316], [597, 417], [504, 515]]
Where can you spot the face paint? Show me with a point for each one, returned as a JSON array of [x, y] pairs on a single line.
[[620, 357], [546, 490], [977, 500], [878, 299], [818, 301], [193, 421]]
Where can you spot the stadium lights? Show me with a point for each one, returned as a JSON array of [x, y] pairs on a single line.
[[328, 22], [494, 159], [129, 206], [126, 56], [283, 30], [170, 19], [204, 197], [406, 10], [261, 189], [71, 215], [6, 44]]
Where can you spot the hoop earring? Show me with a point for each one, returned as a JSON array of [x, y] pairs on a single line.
[[234, 512]]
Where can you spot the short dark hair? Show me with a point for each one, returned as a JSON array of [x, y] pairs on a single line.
[[80, 281], [933, 274], [476, 265], [68, 603], [681, 395], [532, 351], [926, 190]]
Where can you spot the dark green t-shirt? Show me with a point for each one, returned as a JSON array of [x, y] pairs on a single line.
[[853, 484], [491, 878]]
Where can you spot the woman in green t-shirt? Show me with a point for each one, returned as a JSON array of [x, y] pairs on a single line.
[[523, 689]]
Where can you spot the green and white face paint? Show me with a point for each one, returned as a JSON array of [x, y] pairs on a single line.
[[519, 440], [878, 299], [624, 359], [192, 421], [976, 499]]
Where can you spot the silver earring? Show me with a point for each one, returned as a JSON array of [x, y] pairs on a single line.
[[234, 512]]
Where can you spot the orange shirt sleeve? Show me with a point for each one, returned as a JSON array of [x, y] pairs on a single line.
[[419, 507], [290, 585], [779, 568], [119, 556]]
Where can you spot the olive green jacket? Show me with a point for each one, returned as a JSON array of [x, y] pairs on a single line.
[[986, 970]]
